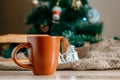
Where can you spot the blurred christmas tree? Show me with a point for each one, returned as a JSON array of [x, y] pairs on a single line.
[[74, 19]]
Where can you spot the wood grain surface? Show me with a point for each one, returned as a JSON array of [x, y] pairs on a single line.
[[62, 75]]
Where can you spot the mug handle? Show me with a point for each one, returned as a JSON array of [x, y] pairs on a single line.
[[65, 44], [14, 52]]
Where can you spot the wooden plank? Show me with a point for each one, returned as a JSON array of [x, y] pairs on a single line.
[[16, 38]]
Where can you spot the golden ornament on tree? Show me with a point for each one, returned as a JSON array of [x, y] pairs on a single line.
[[34, 2], [44, 28], [76, 4]]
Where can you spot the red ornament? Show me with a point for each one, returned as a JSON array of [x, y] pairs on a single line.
[[56, 13]]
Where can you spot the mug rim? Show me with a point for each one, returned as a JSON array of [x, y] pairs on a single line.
[[42, 35]]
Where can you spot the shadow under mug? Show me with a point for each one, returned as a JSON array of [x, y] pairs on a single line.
[[43, 53]]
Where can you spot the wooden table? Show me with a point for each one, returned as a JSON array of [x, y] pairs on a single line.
[[62, 75]]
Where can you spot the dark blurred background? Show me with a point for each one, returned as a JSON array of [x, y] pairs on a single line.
[[12, 16]]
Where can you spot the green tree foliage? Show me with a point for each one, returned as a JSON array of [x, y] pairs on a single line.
[[73, 23]]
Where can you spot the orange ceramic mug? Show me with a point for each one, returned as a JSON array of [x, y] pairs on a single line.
[[43, 53]]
